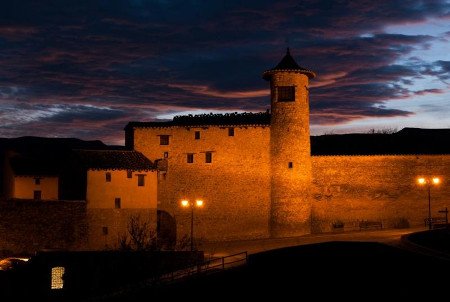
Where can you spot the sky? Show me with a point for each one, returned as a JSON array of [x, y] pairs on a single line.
[[86, 68]]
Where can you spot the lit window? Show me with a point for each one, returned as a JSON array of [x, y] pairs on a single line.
[[163, 139], [57, 281], [37, 195], [208, 157], [141, 180], [37, 181], [166, 154], [129, 174], [286, 93], [190, 158], [230, 131], [117, 203], [108, 176], [197, 134]]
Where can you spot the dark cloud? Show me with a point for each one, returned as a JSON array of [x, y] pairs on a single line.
[[103, 63]]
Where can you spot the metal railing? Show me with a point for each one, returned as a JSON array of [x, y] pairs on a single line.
[[206, 267]]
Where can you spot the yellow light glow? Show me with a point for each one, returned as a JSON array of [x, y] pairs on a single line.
[[185, 203], [421, 181], [436, 180], [199, 203]]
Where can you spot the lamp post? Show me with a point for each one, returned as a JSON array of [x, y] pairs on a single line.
[[422, 181], [186, 203]]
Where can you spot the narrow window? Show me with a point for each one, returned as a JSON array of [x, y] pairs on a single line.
[[129, 174], [108, 176], [190, 158], [166, 154], [117, 203], [105, 230], [164, 140], [290, 165], [286, 93], [141, 180], [37, 195], [37, 181], [230, 131], [208, 157], [197, 134], [57, 277]]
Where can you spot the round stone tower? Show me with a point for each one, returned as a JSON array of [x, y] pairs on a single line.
[[290, 148]]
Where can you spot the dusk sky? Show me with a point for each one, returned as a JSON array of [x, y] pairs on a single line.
[[86, 68]]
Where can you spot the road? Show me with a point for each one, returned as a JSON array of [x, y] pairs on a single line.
[[387, 236]]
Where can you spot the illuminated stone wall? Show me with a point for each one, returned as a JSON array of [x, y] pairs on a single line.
[[380, 188], [102, 194], [106, 222], [290, 157], [235, 187], [24, 187]]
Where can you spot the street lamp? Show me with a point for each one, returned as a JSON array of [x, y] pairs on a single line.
[[186, 203], [422, 181]]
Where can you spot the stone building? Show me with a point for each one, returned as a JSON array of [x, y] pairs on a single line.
[[258, 177]]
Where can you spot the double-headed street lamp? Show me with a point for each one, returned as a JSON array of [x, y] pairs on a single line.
[[186, 203], [431, 181]]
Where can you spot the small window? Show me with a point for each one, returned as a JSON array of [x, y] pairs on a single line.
[[230, 131], [108, 176], [286, 93], [105, 230], [129, 174], [164, 140], [166, 154], [37, 195], [190, 158], [117, 203], [290, 165], [197, 134], [37, 181], [141, 180], [208, 157], [57, 278]]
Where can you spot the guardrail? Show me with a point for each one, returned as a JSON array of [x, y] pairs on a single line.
[[208, 266]]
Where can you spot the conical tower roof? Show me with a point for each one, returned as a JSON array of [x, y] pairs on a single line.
[[288, 64]]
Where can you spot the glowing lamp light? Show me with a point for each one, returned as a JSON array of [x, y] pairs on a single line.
[[185, 203], [199, 203], [436, 180], [421, 181]]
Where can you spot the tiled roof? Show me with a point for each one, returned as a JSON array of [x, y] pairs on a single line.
[[288, 64], [113, 159], [227, 119]]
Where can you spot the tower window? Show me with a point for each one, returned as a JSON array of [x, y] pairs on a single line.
[[166, 154], [141, 180], [290, 165], [230, 131], [190, 158], [117, 203], [197, 134], [129, 174], [208, 157], [286, 93], [37, 181], [108, 176], [164, 140]]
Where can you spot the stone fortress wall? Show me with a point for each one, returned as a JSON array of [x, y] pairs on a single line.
[[235, 186], [377, 188]]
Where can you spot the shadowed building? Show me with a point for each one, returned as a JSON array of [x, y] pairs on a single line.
[[258, 176]]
